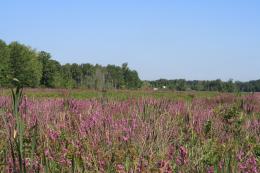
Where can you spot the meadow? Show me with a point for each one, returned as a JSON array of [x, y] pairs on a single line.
[[129, 131]]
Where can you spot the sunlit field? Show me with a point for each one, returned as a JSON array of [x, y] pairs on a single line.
[[111, 94], [130, 131]]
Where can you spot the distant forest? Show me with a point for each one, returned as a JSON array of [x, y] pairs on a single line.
[[38, 69], [205, 85]]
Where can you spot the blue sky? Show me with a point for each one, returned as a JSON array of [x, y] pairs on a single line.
[[170, 39]]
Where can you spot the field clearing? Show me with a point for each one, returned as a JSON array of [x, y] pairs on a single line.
[[130, 131], [112, 94]]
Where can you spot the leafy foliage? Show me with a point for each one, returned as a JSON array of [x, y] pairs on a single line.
[[36, 69], [24, 65], [214, 85]]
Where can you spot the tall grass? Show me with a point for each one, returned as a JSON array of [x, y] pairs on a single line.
[[139, 134]]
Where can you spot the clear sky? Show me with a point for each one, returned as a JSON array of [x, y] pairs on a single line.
[[191, 39]]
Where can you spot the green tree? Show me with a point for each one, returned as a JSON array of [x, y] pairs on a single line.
[[51, 70], [115, 76], [76, 74], [229, 86], [88, 73], [4, 68], [67, 81], [131, 77], [181, 85], [24, 65]]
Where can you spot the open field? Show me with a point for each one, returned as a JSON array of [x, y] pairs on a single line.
[[128, 86], [130, 131], [111, 94]]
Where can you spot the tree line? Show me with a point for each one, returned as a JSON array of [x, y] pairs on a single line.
[[206, 85], [39, 69]]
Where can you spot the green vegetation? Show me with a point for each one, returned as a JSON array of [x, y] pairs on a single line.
[[204, 85], [215, 135], [111, 94], [38, 69]]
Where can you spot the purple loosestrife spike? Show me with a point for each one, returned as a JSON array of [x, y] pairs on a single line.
[[210, 169]]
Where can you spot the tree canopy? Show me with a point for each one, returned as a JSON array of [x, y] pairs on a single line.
[[24, 65], [206, 85], [39, 69]]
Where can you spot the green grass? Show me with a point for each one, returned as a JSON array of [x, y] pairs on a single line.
[[112, 94]]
